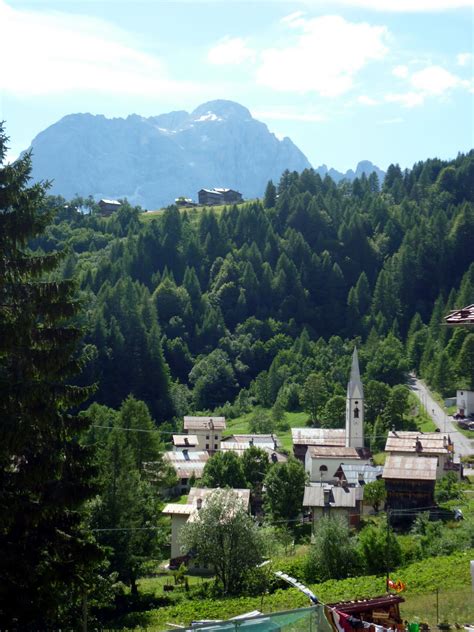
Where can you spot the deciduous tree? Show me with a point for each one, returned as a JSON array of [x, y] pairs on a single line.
[[225, 537]]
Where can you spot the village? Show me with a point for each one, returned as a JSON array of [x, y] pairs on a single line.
[[338, 469]]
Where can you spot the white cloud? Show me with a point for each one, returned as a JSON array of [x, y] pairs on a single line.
[[287, 114], [294, 19], [325, 57], [400, 71], [464, 59], [54, 52], [407, 99], [406, 6], [434, 80], [230, 51], [366, 100]]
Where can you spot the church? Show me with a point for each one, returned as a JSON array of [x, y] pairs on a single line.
[[323, 451]]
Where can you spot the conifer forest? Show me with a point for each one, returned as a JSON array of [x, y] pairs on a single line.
[[134, 320]]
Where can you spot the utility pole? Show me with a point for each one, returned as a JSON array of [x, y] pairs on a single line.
[[437, 605]]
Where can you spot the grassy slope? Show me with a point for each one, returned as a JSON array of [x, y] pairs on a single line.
[[450, 574], [240, 425], [192, 212]]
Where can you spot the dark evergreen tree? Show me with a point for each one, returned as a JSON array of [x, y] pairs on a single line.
[[47, 559]]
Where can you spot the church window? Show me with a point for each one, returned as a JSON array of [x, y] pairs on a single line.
[[356, 413]]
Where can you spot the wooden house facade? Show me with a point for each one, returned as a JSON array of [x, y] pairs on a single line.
[[410, 483]]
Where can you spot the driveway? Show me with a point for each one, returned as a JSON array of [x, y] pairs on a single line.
[[462, 445]]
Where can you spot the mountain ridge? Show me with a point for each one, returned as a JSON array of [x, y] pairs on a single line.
[[152, 160]]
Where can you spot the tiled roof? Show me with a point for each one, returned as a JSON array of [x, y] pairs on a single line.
[[332, 452], [178, 509], [183, 440], [204, 492], [410, 468], [429, 442], [336, 496], [354, 473], [186, 456], [242, 442], [318, 436], [240, 449], [187, 463], [204, 423]]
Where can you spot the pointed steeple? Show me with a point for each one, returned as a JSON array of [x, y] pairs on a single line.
[[354, 387], [355, 407]]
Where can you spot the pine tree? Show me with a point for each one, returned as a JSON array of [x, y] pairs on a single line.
[[270, 195], [45, 473]]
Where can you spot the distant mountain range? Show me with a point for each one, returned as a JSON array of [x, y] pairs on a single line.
[[151, 161], [364, 166]]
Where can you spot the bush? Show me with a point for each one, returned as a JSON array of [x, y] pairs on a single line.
[[334, 554]]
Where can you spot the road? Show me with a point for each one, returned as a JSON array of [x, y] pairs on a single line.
[[462, 445]]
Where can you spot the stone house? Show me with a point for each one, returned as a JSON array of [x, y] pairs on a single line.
[[207, 430]]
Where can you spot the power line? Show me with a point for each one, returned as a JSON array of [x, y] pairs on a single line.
[[173, 432]]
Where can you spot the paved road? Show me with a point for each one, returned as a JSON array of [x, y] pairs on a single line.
[[462, 445]]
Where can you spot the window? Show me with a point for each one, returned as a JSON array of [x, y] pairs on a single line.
[[207, 437], [216, 437], [215, 446], [207, 446], [323, 468], [356, 413]]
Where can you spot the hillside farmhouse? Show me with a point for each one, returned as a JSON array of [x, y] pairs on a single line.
[[107, 207], [210, 197]]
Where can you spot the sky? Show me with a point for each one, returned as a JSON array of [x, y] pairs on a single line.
[[389, 81]]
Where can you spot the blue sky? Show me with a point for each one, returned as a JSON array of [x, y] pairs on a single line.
[[384, 80]]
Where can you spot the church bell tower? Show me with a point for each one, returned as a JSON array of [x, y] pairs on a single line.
[[355, 407]]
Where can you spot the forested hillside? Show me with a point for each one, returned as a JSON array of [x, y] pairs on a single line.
[[189, 311]]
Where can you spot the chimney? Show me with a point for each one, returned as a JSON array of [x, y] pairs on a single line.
[[418, 445]]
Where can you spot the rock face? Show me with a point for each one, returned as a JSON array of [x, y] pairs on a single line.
[[364, 166], [151, 161]]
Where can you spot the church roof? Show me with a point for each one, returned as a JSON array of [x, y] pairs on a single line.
[[354, 387], [333, 452], [318, 436]]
